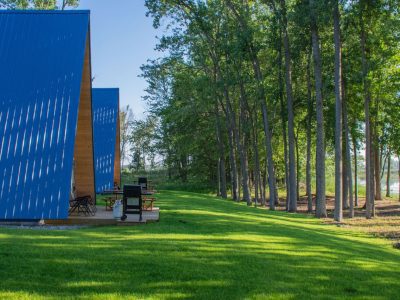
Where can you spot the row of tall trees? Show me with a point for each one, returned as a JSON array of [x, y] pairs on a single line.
[[251, 93]]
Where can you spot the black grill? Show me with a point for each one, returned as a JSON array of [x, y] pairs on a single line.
[[132, 200]]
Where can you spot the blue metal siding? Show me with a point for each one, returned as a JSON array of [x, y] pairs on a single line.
[[105, 115], [41, 64]]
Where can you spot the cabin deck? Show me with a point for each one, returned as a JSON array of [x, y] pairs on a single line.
[[105, 217]]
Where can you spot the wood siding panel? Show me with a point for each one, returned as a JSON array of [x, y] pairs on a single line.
[[83, 153], [117, 157]]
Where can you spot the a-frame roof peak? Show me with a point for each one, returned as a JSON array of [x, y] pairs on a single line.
[[38, 12]]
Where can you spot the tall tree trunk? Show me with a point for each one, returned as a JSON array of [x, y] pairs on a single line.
[[355, 172], [232, 160], [289, 94], [257, 177], [309, 119], [246, 172], [271, 171], [283, 120], [338, 215], [320, 210], [183, 168], [264, 184], [297, 165], [383, 159], [276, 195], [242, 148], [221, 161], [219, 177], [370, 211], [345, 182], [378, 189], [260, 188], [256, 186], [372, 160], [267, 132], [388, 175], [230, 128], [239, 187], [349, 177]]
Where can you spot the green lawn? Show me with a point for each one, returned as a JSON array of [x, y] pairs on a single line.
[[202, 248]]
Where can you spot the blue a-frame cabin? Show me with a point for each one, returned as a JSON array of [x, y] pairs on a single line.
[[106, 132], [46, 133]]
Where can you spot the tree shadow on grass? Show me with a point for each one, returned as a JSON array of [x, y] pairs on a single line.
[[201, 248]]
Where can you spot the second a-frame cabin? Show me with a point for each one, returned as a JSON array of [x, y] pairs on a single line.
[[106, 130]]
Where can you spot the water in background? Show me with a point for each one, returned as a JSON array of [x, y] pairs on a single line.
[[394, 186]]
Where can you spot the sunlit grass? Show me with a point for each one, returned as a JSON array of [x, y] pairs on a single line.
[[202, 248]]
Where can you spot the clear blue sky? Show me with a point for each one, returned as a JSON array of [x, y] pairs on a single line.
[[123, 38]]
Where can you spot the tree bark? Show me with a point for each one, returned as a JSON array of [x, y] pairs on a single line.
[[345, 182], [221, 161], [383, 158], [372, 160], [257, 177], [297, 165], [309, 119], [355, 172], [219, 177], [283, 120], [370, 211], [289, 94], [232, 160], [276, 195], [349, 177], [239, 186], [338, 214], [388, 175], [242, 148], [264, 184], [320, 210], [183, 168], [378, 189]]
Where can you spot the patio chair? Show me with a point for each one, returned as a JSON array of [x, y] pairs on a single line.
[[83, 204], [142, 181], [132, 201], [146, 184]]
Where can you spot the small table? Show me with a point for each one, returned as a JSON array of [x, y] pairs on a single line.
[[110, 201], [147, 201]]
